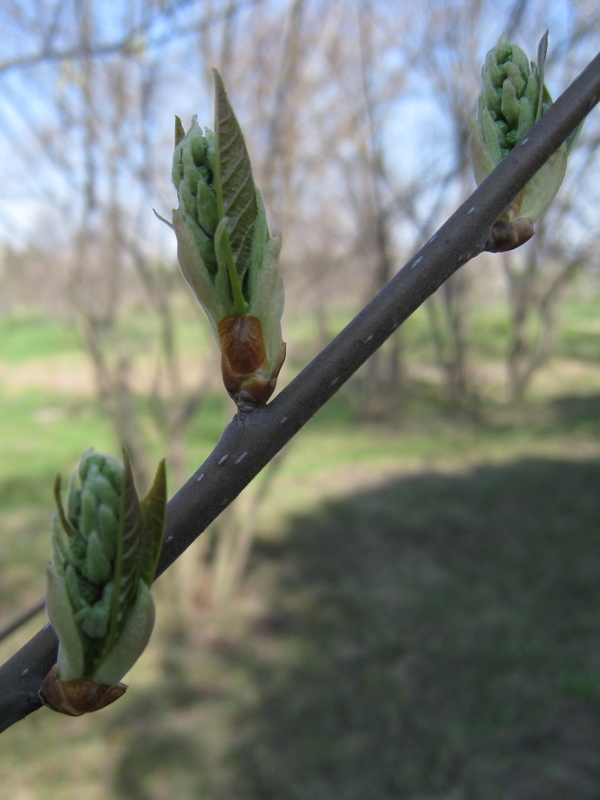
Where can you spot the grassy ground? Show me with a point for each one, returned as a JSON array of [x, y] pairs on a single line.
[[420, 618]]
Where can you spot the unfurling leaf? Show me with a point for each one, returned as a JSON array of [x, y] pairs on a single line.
[[236, 192], [105, 549], [513, 99], [226, 253]]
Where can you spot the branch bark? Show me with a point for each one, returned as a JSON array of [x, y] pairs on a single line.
[[251, 440]]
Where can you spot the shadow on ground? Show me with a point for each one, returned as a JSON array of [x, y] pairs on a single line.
[[577, 412], [438, 637]]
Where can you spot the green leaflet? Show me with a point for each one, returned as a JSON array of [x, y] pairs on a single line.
[[541, 66], [236, 192], [138, 545], [227, 267], [153, 515], [179, 131], [134, 638], [65, 521], [126, 560]]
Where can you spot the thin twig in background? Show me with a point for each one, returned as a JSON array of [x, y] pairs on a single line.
[[253, 439], [21, 620]]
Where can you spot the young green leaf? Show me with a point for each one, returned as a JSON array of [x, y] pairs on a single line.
[[154, 507], [236, 193], [126, 562]]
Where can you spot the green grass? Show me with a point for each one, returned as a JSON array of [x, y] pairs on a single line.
[[428, 615], [407, 638], [32, 335], [420, 618], [580, 331], [41, 435]]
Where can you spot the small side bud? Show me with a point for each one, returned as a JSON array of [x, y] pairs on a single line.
[[512, 100], [506, 235]]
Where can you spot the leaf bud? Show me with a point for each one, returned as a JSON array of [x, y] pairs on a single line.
[[105, 548], [226, 253], [512, 100]]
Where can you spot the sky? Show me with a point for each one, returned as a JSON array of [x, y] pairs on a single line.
[[35, 192]]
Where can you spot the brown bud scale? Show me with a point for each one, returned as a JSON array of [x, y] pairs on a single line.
[[507, 235], [247, 374], [242, 343], [78, 696]]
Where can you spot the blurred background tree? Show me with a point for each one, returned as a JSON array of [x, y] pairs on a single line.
[[356, 119]]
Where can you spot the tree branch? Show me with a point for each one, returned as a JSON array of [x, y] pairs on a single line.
[[22, 619], [253, 439], [130, 43]]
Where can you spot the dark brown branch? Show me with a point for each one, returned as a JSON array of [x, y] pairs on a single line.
[[252, 440]]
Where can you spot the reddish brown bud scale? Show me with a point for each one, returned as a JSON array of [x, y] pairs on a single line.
[[246, 375], [79, 696], [242, 343], [507, 235]]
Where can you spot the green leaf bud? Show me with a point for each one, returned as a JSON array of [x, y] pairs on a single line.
[[93, 619], [224, 247], [98, 565], [206, 205], [512, 100], [105, 549]]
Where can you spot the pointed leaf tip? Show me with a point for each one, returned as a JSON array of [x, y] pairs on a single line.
[[61, 509], [179, 131], [542, 52], [154, 507], [218, 81]]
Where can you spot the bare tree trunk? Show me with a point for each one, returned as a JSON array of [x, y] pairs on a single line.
[[113, 385], [447, 323], [384, 370]]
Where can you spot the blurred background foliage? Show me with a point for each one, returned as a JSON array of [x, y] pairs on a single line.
[[405, 603]]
